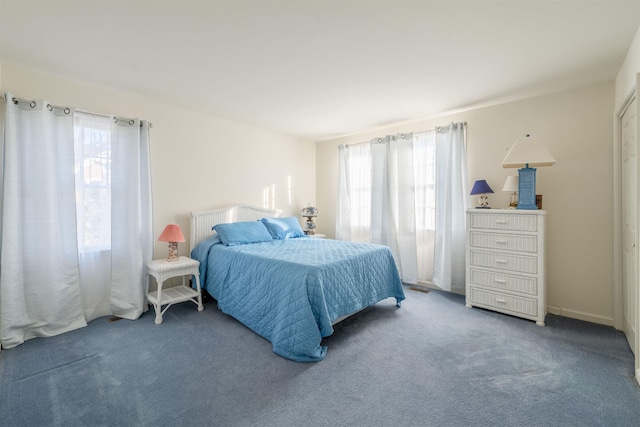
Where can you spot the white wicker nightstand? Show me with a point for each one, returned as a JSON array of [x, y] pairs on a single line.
[[163, 270]]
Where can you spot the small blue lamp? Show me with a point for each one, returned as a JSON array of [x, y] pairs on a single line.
[[482, 188]]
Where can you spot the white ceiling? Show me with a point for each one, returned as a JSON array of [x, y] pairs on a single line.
[[321, 69]]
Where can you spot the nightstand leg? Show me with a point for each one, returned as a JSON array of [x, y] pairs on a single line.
[[200, 306], [158, 306]]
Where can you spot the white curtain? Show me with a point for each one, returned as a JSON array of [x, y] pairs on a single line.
[[64, 260], [408, 191], [375, 201], [392, 201], [353, 220], [425, 202], [131, 216], [343, 208], [39, 278], [451, 204]]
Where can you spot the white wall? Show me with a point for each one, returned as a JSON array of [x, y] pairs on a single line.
[[576, 126], [197, 161]]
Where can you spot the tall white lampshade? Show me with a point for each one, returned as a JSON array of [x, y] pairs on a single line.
[[511, 185], [525, 153]]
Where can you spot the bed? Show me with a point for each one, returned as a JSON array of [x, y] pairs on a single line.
[[288, 288]]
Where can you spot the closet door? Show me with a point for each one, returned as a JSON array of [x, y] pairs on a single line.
[[629, 154]]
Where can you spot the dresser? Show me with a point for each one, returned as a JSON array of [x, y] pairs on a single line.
[[505, 262]]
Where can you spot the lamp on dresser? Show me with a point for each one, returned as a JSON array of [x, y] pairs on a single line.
[[511, 185], [482, 188], [527, 152]]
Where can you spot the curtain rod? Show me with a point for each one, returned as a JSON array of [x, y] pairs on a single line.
[[379, 140], [115, 118], [32, 104]]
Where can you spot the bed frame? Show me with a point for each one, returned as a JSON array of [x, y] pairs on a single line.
[[203, 221]]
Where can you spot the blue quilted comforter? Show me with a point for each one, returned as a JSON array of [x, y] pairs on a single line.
[[290, 291]]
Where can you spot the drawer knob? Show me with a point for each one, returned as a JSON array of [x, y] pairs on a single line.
[[501, 301], [501, 222], [502, 242], [502, 281], [501, 261]]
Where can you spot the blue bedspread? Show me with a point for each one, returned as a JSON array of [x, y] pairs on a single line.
[[289, 291]]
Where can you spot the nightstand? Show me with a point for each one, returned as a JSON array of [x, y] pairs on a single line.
[[162, 270]]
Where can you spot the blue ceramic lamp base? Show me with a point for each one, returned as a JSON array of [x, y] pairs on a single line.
[[527, 188]]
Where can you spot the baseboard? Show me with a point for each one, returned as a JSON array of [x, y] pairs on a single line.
[[638, 375], [580, 315], [558, 311]]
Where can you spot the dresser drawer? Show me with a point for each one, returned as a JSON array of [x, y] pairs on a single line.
[[505, 302], [512, 242], [504, 261], [504, 222], [506, 282]]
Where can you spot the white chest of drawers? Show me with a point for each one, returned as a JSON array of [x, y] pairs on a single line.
[[506, 262]]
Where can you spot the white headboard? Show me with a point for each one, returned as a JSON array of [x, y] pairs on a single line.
[[202, 221]]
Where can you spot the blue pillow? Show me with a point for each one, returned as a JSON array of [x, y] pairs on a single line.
[[283, 228], [240, 233]]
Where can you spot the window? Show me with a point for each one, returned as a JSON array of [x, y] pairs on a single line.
[[93, 181], [389, 193], [424, 162], [359, 184], [359, 164]]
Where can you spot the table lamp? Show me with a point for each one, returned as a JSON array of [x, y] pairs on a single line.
[[524, 153], [482, 188], [511, 185], [310, 212], [172, 234]]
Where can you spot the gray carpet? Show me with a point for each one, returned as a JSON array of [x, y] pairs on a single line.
[[432, 362]]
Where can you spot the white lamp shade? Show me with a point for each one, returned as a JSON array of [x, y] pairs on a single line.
[[511, 184], [528, 151]]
